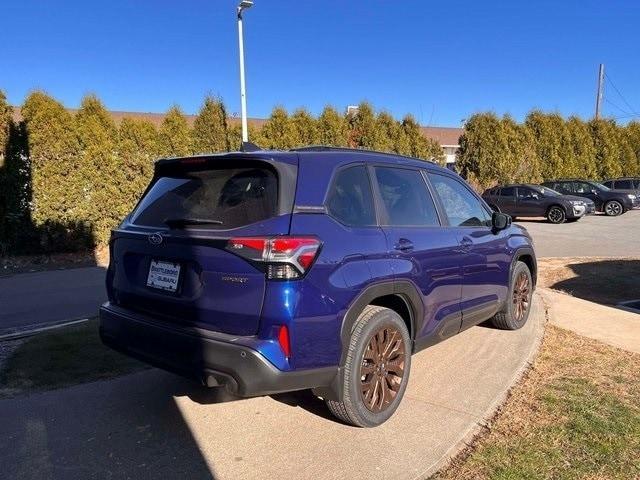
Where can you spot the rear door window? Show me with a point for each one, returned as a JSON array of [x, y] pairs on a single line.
[[623, 184], [463, 209], [507, 191], [222, 198], [350, 200], [405, 197]]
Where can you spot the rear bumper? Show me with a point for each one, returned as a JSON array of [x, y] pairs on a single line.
[[208, 357]]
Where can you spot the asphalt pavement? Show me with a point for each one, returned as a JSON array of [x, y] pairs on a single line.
[[591, 236], [42, 298], [155, 425]]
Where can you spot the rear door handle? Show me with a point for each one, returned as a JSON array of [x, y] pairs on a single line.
[[404, 245]]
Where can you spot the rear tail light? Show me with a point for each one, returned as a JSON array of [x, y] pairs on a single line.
[[285, 258]]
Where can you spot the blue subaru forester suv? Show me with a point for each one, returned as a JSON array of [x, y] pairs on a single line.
[[319, 268]]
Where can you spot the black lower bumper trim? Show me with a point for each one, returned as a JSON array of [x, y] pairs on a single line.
[[204, 356]]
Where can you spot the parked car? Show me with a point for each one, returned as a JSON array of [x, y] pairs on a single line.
[[319, 268], [611, 202], [524, 200], [625, 184]]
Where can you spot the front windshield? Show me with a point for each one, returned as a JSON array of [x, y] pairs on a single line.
[[546, 192], [599, 186]]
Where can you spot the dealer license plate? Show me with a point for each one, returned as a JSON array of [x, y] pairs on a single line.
[[164, 275]]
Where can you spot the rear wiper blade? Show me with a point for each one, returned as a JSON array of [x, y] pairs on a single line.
[[181, 222]]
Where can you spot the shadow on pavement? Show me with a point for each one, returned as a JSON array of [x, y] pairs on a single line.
[[608, 282], [127, 428]]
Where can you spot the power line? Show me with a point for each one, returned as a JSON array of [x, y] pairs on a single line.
[[616, 106], [621, 96]]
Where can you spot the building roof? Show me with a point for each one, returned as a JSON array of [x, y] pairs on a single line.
[[443, 135]]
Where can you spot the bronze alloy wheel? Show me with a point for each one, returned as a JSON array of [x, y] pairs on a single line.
[[521, 291], [382, 369]]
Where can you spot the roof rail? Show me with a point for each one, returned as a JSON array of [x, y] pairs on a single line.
[[328, 148]]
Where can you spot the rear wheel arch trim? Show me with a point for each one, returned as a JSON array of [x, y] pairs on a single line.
[[404, 289]]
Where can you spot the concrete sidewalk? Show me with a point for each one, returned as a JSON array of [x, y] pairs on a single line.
[[609, 325], [155, 425]]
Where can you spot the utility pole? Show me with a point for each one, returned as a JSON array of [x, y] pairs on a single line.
[[600, 91], [243, 95]]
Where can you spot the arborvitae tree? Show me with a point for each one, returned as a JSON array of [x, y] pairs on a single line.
[[388, 131], [234, 136], [174, 137], [102, 171], [607, 148], [210, 127], [584, 152], [363, 129], [6, 119], [306, 128], [7, 195], [278, 131], [401, 140], [633, 134], [137, 148], [56, 176], [521, 161], [628, 159], [552, 143], [332, 128], [482, 157], [421, 146]]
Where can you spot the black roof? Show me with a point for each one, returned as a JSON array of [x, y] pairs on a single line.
[[328, 148]]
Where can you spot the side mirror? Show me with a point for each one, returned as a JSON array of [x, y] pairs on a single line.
[[500, 221]]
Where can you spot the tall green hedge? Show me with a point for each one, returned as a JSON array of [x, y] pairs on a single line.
[[546, 146], [67, 179]]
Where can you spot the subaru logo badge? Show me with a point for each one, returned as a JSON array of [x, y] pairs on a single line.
[[155, 239]]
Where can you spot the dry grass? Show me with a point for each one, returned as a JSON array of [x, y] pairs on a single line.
[[602, 280], [575, 416], [61, 358]]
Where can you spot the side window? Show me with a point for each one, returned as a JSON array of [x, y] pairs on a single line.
[[525, 193], [609, 183], [507, 192], [624, 184], [405, 197], [461, 206], [350, 199]]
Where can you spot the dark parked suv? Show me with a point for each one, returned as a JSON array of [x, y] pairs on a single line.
[[320, 268], [611, 202], [626, 184], [536, 201]]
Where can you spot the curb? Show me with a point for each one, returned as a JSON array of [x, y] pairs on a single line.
[[35, 331], [469, 437]]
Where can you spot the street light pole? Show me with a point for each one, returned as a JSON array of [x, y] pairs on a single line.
[[243, 94]]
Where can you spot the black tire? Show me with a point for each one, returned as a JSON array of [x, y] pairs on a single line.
[[351, 407], [509, 318], [556, 214], [613, 208]]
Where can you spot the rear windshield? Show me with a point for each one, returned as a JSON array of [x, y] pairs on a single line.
[[219, 199]]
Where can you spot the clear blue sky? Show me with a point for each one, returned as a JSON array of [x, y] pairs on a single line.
[[441, 61]]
